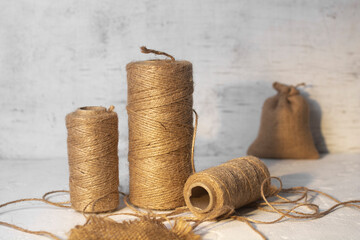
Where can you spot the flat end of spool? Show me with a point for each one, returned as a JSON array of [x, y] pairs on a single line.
[[90, 110], [199, 198]]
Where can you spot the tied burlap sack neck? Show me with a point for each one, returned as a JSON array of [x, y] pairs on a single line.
[[284, 130]]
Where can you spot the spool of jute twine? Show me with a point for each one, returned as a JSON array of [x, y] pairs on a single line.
[[216, 193], [93, 159], [222, 189], [160, 117], [149, 225]]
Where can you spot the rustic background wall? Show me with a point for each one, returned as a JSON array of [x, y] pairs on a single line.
[[56, 56]]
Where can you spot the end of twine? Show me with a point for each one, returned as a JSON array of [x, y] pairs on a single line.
[[111, 108], [146, 51], [300, 85]]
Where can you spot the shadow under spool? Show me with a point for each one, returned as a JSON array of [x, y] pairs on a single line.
[[160, 115], [221, 189], [93, 159]]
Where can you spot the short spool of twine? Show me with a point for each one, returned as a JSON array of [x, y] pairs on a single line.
[[220, 190], [160, 131], [93, 159]]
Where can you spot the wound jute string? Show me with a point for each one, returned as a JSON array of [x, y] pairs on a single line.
[[160, 117], [161, 153], [93, 159], [220, 190], [217, 192]]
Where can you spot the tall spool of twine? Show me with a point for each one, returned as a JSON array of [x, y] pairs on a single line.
[[93, 159], [160, 131], [220, 190]]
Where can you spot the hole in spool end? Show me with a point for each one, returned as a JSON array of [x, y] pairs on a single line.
[[92, 108], [200, 198]]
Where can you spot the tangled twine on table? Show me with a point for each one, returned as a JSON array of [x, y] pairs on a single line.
[[178, 217], [162, 110]]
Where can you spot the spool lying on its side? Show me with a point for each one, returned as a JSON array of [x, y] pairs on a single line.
[[221, 189]]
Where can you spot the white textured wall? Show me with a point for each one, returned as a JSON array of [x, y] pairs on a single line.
[[56, 56]]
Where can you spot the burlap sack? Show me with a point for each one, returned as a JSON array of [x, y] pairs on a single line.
[[284, 129]]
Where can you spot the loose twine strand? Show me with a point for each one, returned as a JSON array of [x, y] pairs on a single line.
[[289, 212], [146, 51], [193, 142], [43, 199], [292, 213], [177, 214], [227, 211], [300, 85], [290, 208], [249, 179]]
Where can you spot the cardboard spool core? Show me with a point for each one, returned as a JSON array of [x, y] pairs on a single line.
[[200, 198]]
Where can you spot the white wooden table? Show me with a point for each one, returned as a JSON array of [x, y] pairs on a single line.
[[336, 174]]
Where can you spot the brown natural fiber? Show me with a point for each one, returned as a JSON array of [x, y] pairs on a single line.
[[291, 209], [93, 159], [160, 131], [285, 130], [220, 190], [143, 228], [101, 227], [43, 199], [215, 193], [146, 51]]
